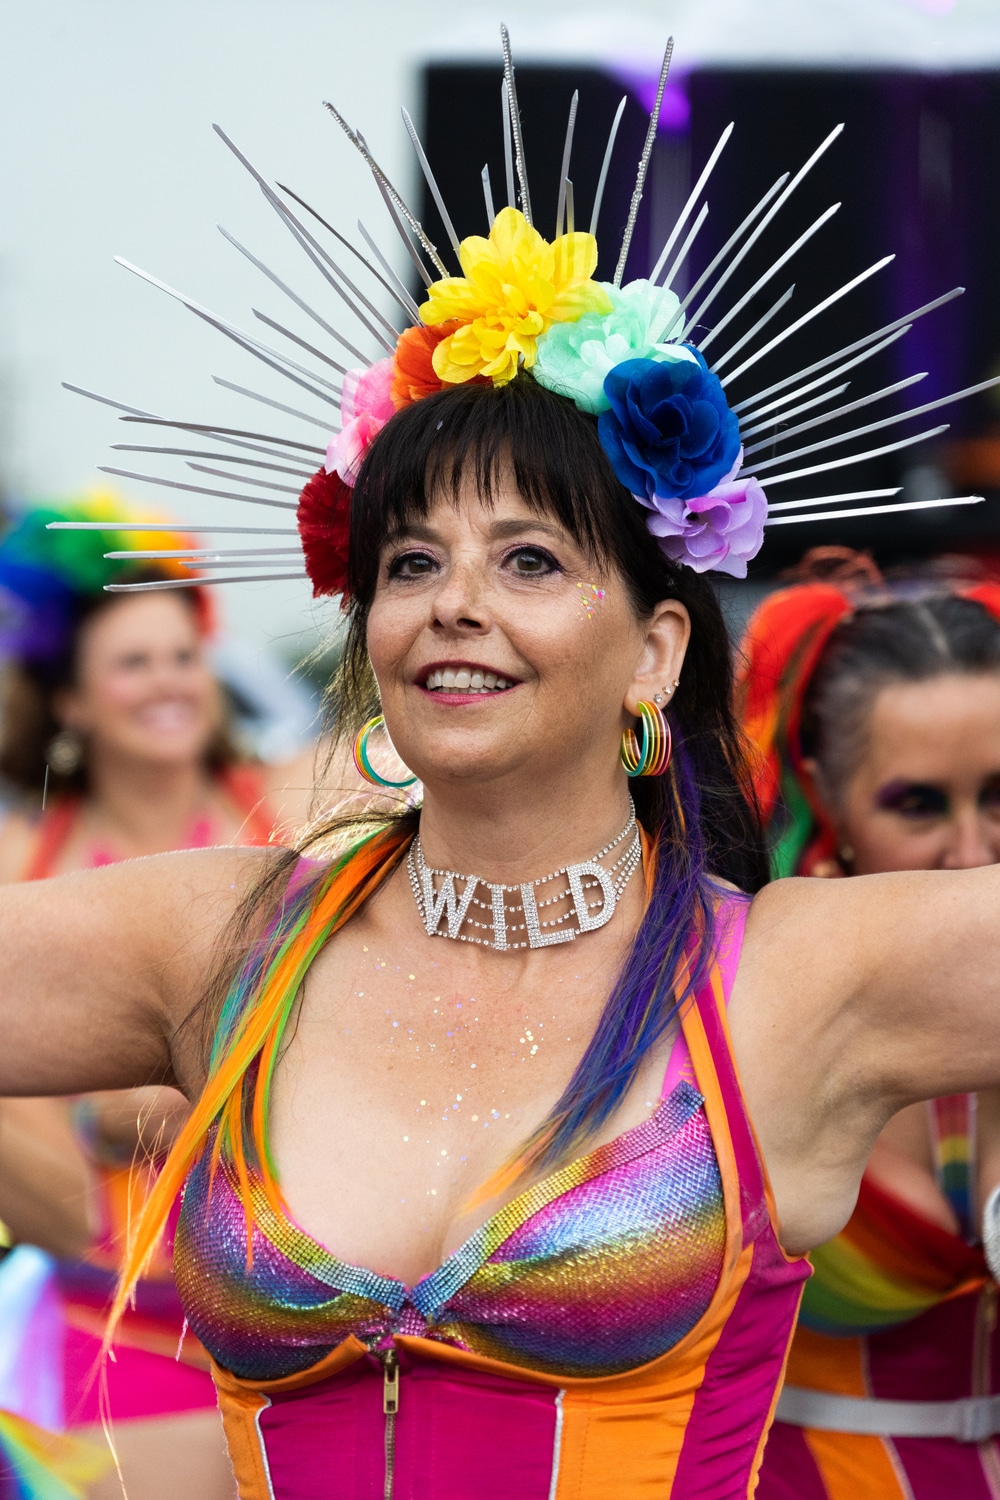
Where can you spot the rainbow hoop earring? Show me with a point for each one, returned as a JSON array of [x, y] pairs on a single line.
[[652, 757], [364, 765]]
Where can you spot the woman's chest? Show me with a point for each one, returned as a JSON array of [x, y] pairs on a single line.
[[406, 1085]]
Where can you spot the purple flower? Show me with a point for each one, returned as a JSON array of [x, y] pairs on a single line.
[[669, 433], [722, 530]]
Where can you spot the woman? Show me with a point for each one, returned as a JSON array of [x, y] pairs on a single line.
[[878, 714], [622, 1323], [114, 727]]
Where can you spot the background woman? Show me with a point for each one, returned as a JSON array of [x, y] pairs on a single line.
[[877, 710], [111, 710]]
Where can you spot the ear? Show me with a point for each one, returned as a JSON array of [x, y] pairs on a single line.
[[662, 656], [66, 708]]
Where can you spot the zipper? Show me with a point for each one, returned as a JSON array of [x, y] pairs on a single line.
[[390, 1408]]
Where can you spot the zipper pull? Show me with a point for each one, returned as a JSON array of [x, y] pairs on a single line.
[[390, 1383]]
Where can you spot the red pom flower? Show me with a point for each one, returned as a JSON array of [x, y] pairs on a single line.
[[324, 522]]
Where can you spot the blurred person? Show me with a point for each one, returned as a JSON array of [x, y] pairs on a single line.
[[113, 744], [877, 712]]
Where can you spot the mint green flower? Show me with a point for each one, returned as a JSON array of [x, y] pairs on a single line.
[[573, 359]]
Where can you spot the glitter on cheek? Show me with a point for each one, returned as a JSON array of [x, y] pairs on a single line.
[[591, 597]]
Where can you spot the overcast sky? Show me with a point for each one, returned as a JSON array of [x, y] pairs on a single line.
[[106, 109]]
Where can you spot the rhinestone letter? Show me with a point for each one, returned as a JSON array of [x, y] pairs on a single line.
[[445, 902], [587, 919], [536, 938]]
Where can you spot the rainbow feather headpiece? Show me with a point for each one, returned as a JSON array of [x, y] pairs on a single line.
[[60, 553], [699, 445]]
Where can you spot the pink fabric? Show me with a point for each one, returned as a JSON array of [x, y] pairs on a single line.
[[453, 1432], [732, 919], [139, 1384]]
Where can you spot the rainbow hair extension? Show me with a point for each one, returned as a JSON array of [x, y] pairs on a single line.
[[235, 1101]]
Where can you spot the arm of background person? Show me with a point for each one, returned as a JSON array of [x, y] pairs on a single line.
[[47, 1186], [99, 970]]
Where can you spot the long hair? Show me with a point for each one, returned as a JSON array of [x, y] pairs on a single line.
[[701, 818]]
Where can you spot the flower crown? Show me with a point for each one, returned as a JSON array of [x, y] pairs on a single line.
[[633, 356], [44, 578]]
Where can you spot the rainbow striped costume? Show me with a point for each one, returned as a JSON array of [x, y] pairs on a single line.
[[617, 1330], [901, 1311]]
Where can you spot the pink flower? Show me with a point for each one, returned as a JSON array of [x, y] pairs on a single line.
[[722, 530], [365, 407]]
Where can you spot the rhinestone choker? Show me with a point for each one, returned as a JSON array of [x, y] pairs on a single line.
[[437, 900]]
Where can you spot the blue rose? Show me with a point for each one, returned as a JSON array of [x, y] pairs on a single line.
[[669, 433]]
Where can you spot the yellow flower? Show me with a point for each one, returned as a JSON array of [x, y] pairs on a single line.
[[516, 285]]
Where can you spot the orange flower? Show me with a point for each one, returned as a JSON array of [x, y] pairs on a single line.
[[414, 375]]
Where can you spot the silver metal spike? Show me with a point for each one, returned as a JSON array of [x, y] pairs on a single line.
[[814, 312], [318, 255], [574, 105], [222, 458], [831, 416], [873, 510], [752, 333], [832, 499], [224, 432], [605, 165], [749, 243], [904, 416], [309, 348], [488, 198], [401, 230], [786, 416], [80, 390], [306, 385], [773, 270], [174, 526], [402, 295], [431, 181], [203, 554], [515, 124], [271, 561], [195, 489], [290, 411], [358, 142], [856, 458], [683, 252], [570, 207], [863, 343], [781, 402], [508, 148], [197, 583], [647, 151], [693, 197], [282, 286], [263, 484], [733, 239], [239, 335], [393, 293]]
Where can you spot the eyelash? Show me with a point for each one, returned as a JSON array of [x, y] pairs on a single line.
[[394, 568]]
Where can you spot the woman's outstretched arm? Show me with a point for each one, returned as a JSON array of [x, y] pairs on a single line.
[[854, 998], [100, 970]]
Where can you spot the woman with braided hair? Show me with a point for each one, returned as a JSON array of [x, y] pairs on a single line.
[[876, 712]]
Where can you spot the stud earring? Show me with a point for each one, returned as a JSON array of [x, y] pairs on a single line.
[[364, 765], [652, 756]]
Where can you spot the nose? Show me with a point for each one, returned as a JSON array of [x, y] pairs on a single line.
[[972, 842], [460, 602]]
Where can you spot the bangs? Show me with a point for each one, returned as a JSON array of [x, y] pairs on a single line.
[[491, 435]]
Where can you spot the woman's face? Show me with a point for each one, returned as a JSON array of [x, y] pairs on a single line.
[[502, 649], [927, 793], [143, 689]]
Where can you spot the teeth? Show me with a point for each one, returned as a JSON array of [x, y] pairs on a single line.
[[465, 680]]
